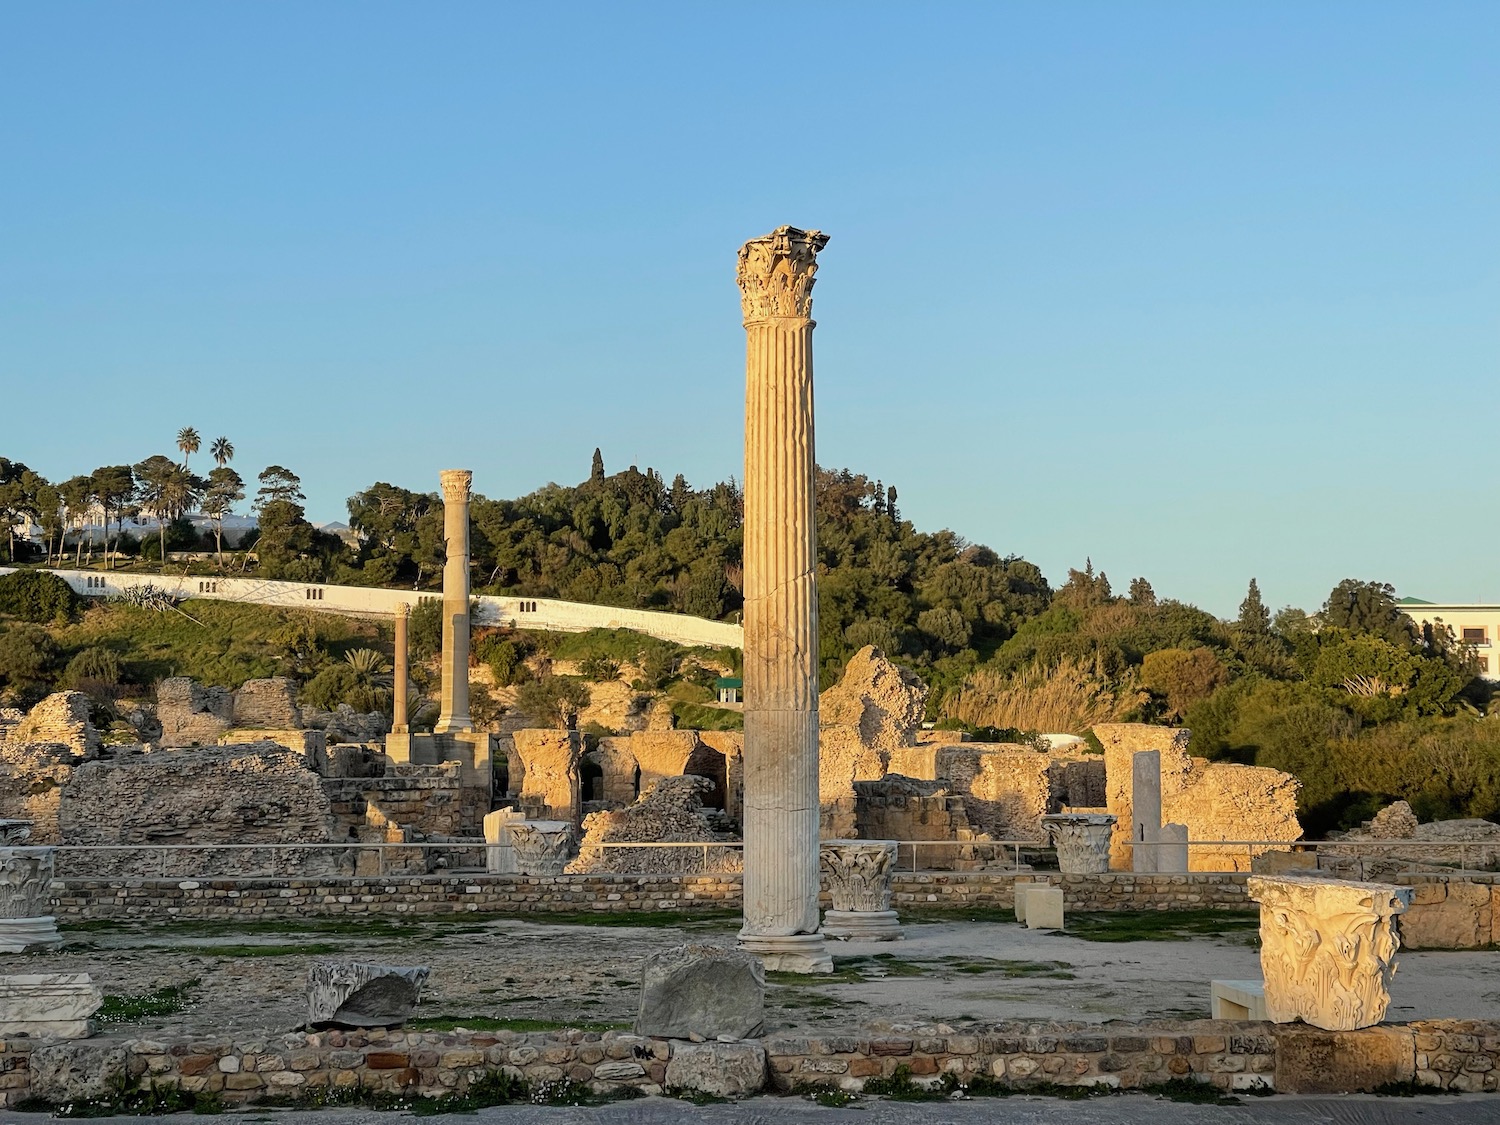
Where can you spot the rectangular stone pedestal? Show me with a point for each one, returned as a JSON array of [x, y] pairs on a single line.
[[500, 856], [48, 1005], [1044, 908], [1237, 1000]]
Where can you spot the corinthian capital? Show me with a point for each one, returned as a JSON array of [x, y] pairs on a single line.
[[456, 485], [776, 271]]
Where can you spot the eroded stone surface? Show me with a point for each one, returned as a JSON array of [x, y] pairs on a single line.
[[542, 847], [721, 1070], [1081, 840], [1214, 800], [48, 1005], [61, 718], [361, 994], [701, 990], [672, 812], [550, 788], [1328, 948]]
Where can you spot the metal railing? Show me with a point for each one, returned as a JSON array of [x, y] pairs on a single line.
[[260, 860]]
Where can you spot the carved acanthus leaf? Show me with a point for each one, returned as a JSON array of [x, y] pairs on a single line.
[[776, 271]]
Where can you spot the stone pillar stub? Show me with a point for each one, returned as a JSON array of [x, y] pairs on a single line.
[[1328, 948], [500, 855], [1172, 849], [1145, 809], [780, 817], [401, 679], [454, 715]]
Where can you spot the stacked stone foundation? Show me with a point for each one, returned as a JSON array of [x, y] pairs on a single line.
[[1443, 1054]]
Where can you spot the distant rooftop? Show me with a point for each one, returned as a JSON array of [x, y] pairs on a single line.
[[1414, 601]]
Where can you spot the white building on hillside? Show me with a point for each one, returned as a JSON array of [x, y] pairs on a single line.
[[1476, 625]]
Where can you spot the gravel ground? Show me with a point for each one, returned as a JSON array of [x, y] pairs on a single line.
[[583, 974]]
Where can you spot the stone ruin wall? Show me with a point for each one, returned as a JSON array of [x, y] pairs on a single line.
[[671, 812], [1215, 800], [251, 794]]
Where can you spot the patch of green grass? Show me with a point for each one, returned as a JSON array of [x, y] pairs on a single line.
[[312, 949], [1162, 925], [489, 1023], [146, 1005], [1051, 970], [697, 716], [833, 1098]]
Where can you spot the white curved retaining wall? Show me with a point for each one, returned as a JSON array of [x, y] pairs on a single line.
[[524, 613]]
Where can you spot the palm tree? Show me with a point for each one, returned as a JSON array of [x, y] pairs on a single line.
[[187, 441], [222, 450]]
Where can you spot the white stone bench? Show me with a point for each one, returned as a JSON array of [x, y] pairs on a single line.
[[1237, 1000]]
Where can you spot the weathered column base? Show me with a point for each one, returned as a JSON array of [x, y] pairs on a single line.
[[17, 935], [789, 953], [862, 925], [48, 1005]]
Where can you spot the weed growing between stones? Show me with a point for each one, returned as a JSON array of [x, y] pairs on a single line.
[[496, 1088], [900, 1087], [1407, 1089], [147, 1005]]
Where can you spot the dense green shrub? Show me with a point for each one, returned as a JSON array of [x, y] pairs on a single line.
[[35, 595], [93, 667], [342, 683], [29, 657]]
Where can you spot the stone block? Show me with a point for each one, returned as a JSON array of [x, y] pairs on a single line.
[[1021, 890], [1172, 849], [1237, 1000], [721, 1070], [361, 994], [1044, 908], [701, 990], [48, 1005], [1312, 1061], [499, 854], [1460, 919]]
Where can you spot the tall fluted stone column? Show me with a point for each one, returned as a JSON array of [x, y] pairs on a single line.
[[454, 715], [781, 605], [401, 679]]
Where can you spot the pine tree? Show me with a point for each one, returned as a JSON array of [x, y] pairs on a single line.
[[1141, 593], [596, 473], [1254, 616]]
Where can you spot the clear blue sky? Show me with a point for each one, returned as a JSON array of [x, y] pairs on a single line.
[[1203, 290]]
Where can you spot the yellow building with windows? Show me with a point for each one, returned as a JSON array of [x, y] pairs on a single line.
[[1475, 625]]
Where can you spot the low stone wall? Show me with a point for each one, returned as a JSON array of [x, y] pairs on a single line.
[[1448, 912], [1449, 1054]]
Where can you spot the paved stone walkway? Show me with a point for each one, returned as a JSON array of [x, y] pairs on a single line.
[[1476, 1109]]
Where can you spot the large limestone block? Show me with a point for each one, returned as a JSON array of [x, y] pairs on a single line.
[[662, 754], [500, 855], [1448, 916], [72, 1072], [1328, 948], [362, 994], [551, 788], [48, 1005], [701, 990], [1313, 1061], [1044, 907], [720, 1070]]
